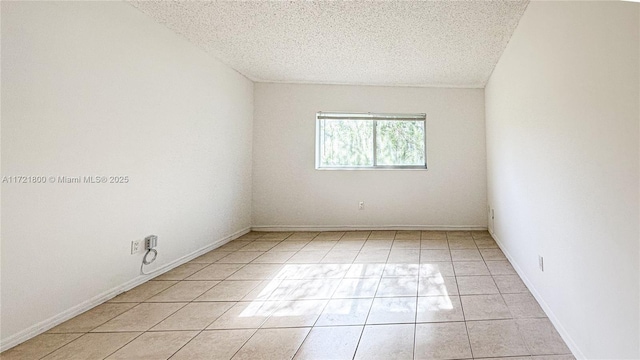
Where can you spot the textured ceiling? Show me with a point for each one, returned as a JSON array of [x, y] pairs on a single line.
[[415, 43]]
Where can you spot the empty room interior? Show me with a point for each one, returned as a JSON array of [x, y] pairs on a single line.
[[320, 180]]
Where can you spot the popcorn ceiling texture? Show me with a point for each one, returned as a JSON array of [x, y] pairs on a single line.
[[413, 43]]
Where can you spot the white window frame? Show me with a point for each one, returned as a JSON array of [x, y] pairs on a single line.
[[325, 115]]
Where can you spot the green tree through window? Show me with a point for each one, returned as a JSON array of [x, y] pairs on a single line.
[[370, 140]]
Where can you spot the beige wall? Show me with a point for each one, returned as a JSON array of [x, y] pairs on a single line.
[[98, 88], [289, 193], [563, 167]]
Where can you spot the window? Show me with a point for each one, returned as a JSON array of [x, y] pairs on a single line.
[[366, 141]]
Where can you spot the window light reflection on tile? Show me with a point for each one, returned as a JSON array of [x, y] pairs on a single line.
[[297, 282], [258, 309], [432, 286], [438, 303]]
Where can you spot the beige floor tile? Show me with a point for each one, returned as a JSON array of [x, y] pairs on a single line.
[[386, 342], [316, 271], [259, 296], [485, 307], [365, 271], [442, 341], [541, 337], [398, 286], [92, 346], [38, 346], [434, 244], [259, 246], [93, 318], [437, 286], [372, 256], [339, 257], [395, 310], [492, 254], [258, 272], [345, 312], [405, 256], [433, 268], [214, 345], [154, 345], [140, 318], [510, 284], [296, 313], [251, 235], [349, 245], [466, 255], [263, 291], [276, 235], [234, 245], [245, 315], [305, 289], [405, 244], [229, 290], [319, 245], [439, 309], [377, 244], [495, 338], [470, 268], [216, 272], [433, 235], [269, 344], [183, 291], [274, 257], [407, 235], [330, 235], [462, 244], [240, 257], [486, 243], [290, 245], [304, 235], [434, 255], [500, 268], [358, 235], [308, 257], [459, 235], [194, 316], [382, 235], [356, 288], [182, 272], [480, 234], [523, 306], [211, 257], [400, 270], [143, 292], [476, 285], [330, 343]]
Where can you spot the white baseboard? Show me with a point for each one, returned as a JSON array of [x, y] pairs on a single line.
[[577, 353], [365, 227], [53, 321]]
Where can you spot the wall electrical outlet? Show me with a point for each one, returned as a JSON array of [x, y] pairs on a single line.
[[150, 242], [541, 263], [136, 246], [361, 205]]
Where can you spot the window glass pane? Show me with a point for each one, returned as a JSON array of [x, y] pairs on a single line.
[[400, 142], [346, 143]]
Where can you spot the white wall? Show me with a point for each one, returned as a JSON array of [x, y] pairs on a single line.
[[288, 192], [563, 167], [100, 89]]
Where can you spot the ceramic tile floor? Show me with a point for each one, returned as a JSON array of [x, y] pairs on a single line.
[[330, 295]]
